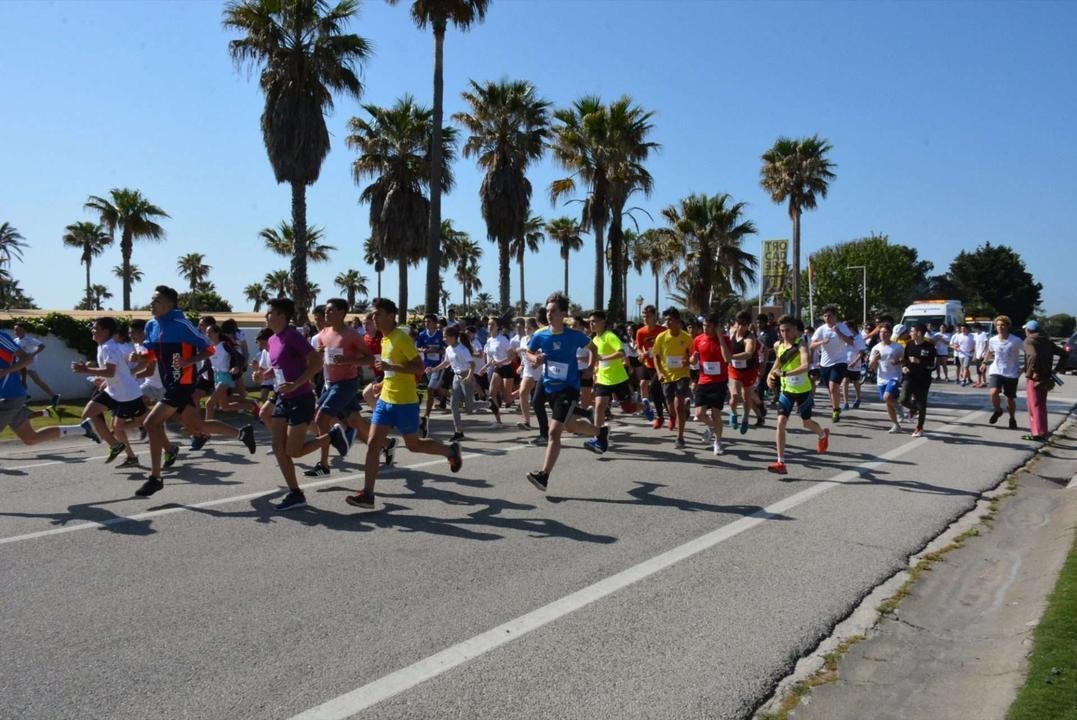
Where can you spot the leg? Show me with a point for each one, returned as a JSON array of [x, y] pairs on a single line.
[[602, 403], [155, 429], [525, 392], [779, 436], [280, 430], [553, 447], [323, 421], [376, 438], [538, 405], [457, 398], [95, 413]]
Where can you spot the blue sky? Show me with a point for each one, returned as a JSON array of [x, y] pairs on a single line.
[[953, 124]]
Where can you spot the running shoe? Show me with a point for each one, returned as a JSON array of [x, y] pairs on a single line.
[[824, 442], [318, 470], [708, 435], [129, 462], [293, 500], [744, 427], [761, 421], [55, 401], [856, 405], [672, 422], [917, 433], [778, 468], [845, 406], [648, 413], [523, 426], [88, 429], [361, 499], [894, 429], [718, 447], [152, 485], [994, 417], [246, 436], [114, 452], [170, 456], [424, 431], [456, 437], [540, 441], [539, 479], [835, 415], [337, 440], [389, 451], [604, 438], [733, 419], [593, 446], [199, 442], [680, 444], [456, 460], [349, 433], [1013, 423]]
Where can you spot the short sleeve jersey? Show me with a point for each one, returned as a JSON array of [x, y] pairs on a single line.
[[337, 346], [459, 358], [610, 372], [645, 338], [288, 352], [29, 344], [560, 370], [497, 349], [432, 345], [1006, 356], [832, 351], [122, 386], [855, 353], [11, 384], [980, 341], [889, 367], [398, 388], [713, 365], [671, 354], [964, 344]]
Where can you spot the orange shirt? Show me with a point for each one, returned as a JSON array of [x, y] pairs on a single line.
[[645, 338]]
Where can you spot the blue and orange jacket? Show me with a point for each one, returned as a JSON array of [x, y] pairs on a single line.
[[170, 335]]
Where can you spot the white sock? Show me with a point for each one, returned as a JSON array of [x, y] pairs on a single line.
[[66, 430]]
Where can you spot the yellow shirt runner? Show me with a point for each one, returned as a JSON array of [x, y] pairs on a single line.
[[398, 387], [671, 354]]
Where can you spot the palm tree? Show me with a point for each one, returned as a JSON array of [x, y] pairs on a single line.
[[257, 294], [278, 281], [483, 303], [135, 217], [796, 171], [193, 268], [438, 14], [353, 283], [508, 125], [98, 294], [372, 256], [11, 244], [91, 240], [566, 233], [394, 149], [653, 250], [527, 241], [134, 274], [707, 232], [631, 241], [445, 301], [281, 240], [467, 270], [305, 56]]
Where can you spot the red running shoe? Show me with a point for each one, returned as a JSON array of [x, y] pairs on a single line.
[[824, 442], [777, 468], [657, 423], [672, 423]]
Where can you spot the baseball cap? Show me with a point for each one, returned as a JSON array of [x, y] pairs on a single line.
[[899, 330], [1032, 325]]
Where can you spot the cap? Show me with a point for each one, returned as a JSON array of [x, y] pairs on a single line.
[[1032, 325], [899, 330]]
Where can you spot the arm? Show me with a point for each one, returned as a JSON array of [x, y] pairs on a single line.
[[21, 361], [749, 349], [85, 368], [314, 366]]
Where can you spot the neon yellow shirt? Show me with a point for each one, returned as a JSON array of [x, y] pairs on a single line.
[[398, 387], [671, 354], [610, 372]]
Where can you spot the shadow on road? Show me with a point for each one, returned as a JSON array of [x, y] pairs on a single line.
[[644, 494]]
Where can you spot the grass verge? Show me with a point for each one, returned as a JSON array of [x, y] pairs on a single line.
[[1050, 690]]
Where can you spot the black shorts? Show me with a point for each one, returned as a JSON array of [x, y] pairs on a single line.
[[1008, 386], [852, 375], [296, 410], [677, 389], [505, 371], [126, 410], [833, 373], [622, 391], [562, 403], [634, 362], [693, 375], [587, 381], [649, 374], [179, 396], [711, 395], [204, 384]]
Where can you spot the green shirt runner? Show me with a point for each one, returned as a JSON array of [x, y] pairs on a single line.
[[610, 372]]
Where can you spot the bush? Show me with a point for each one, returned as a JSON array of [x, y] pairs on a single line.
[[75, 333], [1061, 325], [203, 301]]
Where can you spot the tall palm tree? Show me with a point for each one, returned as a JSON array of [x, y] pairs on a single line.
[[11, 244], [438, 14], [796, 172], [654, 251], [133, 273], [394, 149], [281, 240], [467, 274], [566, 233], [193, 268], [527, 241], [305, 55], [372, 256], [257, 294], [483, 303], [135, 217], [353, 283], [508, 125], [91, 240], [445, 297], [98, 294], [454, 244], [708, 232], [631, 242], [278, 281]]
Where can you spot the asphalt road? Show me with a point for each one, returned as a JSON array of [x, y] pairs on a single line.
[[648, 583]]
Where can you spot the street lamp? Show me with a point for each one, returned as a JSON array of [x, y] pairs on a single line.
[[639, 305], [863, 289]]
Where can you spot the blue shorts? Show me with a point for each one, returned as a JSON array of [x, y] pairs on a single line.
[[405, 418], [833, 373], [223, 377], [340, 399], [890, 387], [804, 403]]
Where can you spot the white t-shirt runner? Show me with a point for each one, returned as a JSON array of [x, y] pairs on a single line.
[[459, 358], [964, 345], [28, 344], [889, 367], [153, 380], [853, 356], [832, 352], [980, 339], [123, 386], [1006, 356], [497, 349]]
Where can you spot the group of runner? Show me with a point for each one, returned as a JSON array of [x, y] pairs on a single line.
[[567, 376]]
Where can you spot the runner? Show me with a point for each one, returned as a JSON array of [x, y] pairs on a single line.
[[33, 347], [963, 345], [919, 364], [530, 379], [855, 355], [942, 352], [790, 376], [585, 363], [177, 347], [672, 349], [981, 338], [1040, 378], [498, 367], [611, 377], [830, 339], [712, 350], [151, 386], [458, 359], [398, 404], [227, 362], [743, 370], [650, 389], [431, 344], [1004, 356], [554, 349], [885, 361]]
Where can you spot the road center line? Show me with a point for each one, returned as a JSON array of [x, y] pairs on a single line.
[[385, 687]]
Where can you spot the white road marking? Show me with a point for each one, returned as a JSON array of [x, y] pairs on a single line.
[[372, 693], [1073, 483]]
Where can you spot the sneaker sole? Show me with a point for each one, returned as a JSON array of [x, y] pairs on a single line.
[[355, 503], [294, 506], [538, 486]]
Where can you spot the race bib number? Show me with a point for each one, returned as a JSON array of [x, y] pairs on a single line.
[[740, 364], [712, 367], [278, 377], [333, 355], [674, 362], [605, 363], [433, 356], [390, 373], [557, 370]]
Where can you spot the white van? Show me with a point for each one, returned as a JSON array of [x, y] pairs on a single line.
[[935, 313]]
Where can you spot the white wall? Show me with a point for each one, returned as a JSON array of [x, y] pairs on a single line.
[[54, 367]]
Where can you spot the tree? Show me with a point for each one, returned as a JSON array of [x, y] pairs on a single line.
[[993, 280], [11, 244], [305, 56], [257, 294], [438, 14], [353, 283], [192, 267], [91, 240], [11, 295], [281, 240], [566, 233], [895, 273], [484, 303], [135, 217], [393, 146], [279, 282], [99, 294], [508, 124], [796, 172], [203, 301], [654, 250], [132, 275], [707, 231], [445, 301], [467, 271], [528, 241], [372, 256], [1061, 325]]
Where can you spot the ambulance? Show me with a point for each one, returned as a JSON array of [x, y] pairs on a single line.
[[935, 313]]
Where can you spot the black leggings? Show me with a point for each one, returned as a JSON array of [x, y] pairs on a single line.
[[656, 395], [538, 407], [914, 397]]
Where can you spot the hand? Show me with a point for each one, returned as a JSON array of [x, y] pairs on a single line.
[[286, 387], [79, 366], [428, 371], [179, 363], [540, 357], [904, 371]]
